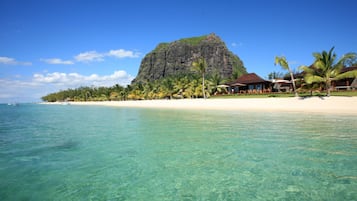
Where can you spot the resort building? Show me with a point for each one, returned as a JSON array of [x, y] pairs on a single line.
[[281, 85], [250, 83]]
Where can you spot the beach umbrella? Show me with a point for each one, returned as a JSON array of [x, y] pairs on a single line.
[[223, 85], [238, 84]]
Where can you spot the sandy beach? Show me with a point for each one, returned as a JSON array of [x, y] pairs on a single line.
[[337, 105]]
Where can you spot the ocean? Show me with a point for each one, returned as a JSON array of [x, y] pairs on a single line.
[[67, 152]]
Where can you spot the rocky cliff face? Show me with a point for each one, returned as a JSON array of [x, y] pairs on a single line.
[[175, 58]]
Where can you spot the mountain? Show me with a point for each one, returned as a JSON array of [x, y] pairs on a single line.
[[175, 58]]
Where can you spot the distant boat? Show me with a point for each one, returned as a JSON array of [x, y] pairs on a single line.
[[12, 104]]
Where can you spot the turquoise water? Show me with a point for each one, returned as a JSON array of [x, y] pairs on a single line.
[[57, 152]]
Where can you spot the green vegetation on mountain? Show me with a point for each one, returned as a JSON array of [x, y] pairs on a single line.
[[162, 46], [193, 40]]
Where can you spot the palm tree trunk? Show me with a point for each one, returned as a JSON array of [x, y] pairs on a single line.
[[203, 85], [294, 86], [328, 86]]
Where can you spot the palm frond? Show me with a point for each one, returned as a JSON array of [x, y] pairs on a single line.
[[319, 64], [309, 79], [317, 55], [282, 62], [349, 74], [306, 69], [200, 65], [331, 57], [346, 58]]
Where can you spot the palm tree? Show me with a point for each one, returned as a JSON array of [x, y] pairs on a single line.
[[180, 85], [215, 81], [284, 64], [167, 87], [326, 69], [200, 66], [148, 87], [191, 88]]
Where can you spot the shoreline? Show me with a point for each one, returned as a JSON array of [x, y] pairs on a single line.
[[327, 105]]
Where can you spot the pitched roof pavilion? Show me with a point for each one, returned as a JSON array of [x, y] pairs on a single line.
[[249, 78]]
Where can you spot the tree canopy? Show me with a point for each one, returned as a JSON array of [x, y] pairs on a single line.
[[327, 68]]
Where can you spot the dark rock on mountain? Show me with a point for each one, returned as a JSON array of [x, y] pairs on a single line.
[[175, 58]]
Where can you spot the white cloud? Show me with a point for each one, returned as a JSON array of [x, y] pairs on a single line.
[[19, 91], [12, 61], [7, 60], [45, 83], [234, 44], [57, 61], [75, 80], [89, 56], [121, 53]]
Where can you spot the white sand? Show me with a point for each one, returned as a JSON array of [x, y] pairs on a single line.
[[336, 105]]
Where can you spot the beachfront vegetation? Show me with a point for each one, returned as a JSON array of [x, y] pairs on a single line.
[[351, 62], [275, 75], [200, 66], [327, 68], [285, 65], [185, 86]]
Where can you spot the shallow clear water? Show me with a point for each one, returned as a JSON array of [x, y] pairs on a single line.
[[56, 152]]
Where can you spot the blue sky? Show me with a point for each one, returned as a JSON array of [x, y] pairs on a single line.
[[49, 45]]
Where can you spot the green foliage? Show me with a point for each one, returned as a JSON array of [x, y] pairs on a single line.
[[281, 61], [238, 68], [194, 40], [285, 65], [162, 46], [184, 86], [87, 94], [201, 66], [344, 93], [327, 68], [275, 75], [349, 74], [351, 62]]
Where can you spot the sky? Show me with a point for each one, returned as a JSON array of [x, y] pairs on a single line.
[[52, 45]]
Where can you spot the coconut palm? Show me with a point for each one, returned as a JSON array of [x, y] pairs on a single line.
[[167, 87], [180, 85], [215, 81], [191, 88], [285, 65], [200, 66], [326, 69]]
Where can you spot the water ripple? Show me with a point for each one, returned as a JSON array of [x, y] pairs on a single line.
[[103, 153]]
